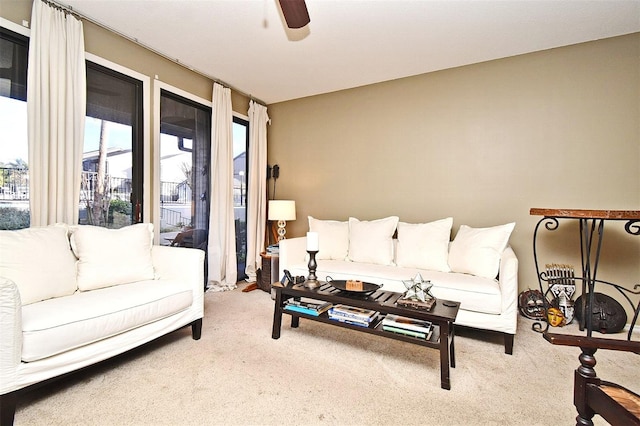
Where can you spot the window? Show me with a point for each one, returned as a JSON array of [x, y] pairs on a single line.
[[14, 168], [240, 161], [112, 161], [111, 191]]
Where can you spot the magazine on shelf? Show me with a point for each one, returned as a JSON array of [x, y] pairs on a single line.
[[307, 306], [405, 332], [360, 314], [397, 321], [351, 321]]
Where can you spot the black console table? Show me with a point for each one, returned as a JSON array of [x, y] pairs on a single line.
[[591, 233]]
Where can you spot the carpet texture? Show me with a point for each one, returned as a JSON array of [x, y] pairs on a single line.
[[320, 375]]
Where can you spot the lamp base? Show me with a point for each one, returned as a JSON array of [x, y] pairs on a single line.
[[282, 230]]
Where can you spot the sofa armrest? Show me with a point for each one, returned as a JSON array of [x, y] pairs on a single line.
[[182, 264], [178, 263], [11, 332], [293, 251], [508, 280]]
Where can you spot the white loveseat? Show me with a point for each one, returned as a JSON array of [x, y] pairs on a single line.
[[478, 268], [73, 296]]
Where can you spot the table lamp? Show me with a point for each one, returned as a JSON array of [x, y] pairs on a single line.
[[282, 211]]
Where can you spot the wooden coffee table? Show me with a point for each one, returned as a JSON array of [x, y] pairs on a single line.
[[442, 315]]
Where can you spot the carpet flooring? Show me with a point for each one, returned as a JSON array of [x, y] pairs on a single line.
[[319, 375]]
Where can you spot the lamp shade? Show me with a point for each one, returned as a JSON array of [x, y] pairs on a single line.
[[282, 210]]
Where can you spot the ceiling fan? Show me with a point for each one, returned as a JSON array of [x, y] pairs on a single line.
[[295, 13]]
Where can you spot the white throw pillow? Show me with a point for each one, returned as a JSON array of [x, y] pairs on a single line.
[[372, 241], [39, 261], [424, 245], [477, 251], [108, 257], [333, 238]]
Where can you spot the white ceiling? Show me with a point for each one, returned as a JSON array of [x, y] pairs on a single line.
[[351, 43]]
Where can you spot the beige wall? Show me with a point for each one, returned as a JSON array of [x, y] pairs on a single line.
[[483, 144]]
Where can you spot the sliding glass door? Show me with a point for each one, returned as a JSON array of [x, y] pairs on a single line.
[[240, 145], [185, 147]]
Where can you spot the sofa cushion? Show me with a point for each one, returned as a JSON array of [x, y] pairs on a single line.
[[372, 241], [424, 245], [333, 238], [108, 257], [40, 262], [58, 325], [477, 251]]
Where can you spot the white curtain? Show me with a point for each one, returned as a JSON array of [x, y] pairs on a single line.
[[222, 265], [56, 105], [257, 187]]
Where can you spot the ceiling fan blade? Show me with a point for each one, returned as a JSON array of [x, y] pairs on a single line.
[[295, 13]]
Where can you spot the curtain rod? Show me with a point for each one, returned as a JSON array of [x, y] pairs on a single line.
[[69, 9]]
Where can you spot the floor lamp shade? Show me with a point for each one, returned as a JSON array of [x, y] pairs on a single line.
[[282, 211]]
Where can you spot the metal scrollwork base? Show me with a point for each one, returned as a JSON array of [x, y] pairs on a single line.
[[591, 235]]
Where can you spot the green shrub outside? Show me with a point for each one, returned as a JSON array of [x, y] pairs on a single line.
[[120, 206], [12, 218]]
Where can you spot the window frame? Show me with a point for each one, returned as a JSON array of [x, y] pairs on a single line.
[[244, 121], [141, 161], [137, 146], [158, 87], [20, 38]]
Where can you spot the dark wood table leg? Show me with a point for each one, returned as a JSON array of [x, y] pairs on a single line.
[[295, 320], [452, 345], [444, 356], [277, 315]]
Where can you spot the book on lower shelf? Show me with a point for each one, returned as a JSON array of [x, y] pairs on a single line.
[[307, 306], [353, 314], [409, 326], [405, 332], [349, 321]]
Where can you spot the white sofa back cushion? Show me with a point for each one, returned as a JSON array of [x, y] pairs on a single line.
[[39, 261], [108, 257], [477, 251], [424, 245], [372, 241], [333, 238]]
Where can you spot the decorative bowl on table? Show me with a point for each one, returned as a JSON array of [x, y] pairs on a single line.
[[353, 286]]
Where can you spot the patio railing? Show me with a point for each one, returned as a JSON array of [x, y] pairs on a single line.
[[14, 185]]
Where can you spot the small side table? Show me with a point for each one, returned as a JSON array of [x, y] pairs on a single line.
[[270, 270]]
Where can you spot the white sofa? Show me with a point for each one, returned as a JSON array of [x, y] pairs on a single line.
[[478, 268], [73, 296]]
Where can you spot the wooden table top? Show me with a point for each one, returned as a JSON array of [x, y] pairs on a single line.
[[587, 214]]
